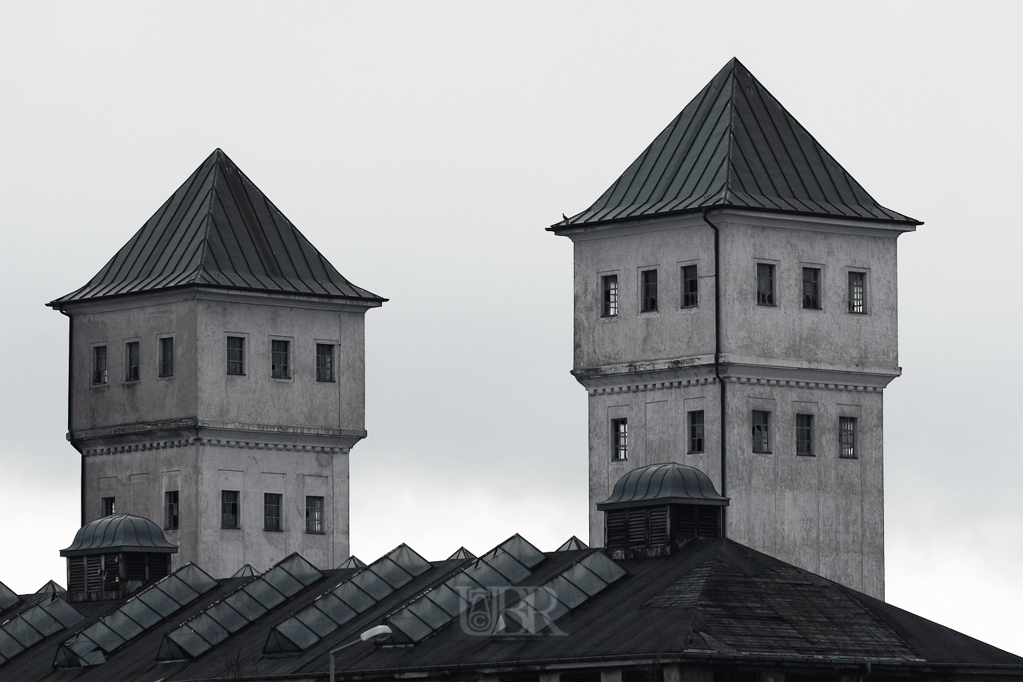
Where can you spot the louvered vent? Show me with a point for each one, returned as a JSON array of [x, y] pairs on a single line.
[[76, 574]]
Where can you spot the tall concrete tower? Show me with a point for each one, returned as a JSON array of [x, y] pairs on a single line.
[[735, 310], [217, 380]]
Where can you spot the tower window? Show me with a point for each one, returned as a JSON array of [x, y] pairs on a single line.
[[170, 510], [236, 355], [229, 508], [619, 439], [765, 284], [648, 290], [107, 506], [272, 511], [847, 437], [609, 303], [99, 365], [695, 431], [280, 364], [167, 356], [690, 287], [857, 292], [131, 356], [324, 362], [761, 431], [313, 514], [812, 288], [804, 434]]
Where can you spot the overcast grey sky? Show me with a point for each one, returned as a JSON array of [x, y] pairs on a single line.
[[423, 147]]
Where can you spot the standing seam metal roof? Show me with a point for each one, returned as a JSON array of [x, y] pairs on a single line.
[[734, 145], [219, 230]]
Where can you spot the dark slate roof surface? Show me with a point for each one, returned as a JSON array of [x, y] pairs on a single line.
[[669, 483], [734, 145], [219, 230], [119, 533]]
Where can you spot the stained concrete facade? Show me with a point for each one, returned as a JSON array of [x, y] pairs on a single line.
[[201, 430], [822, 512]]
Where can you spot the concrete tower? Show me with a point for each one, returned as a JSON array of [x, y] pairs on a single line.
[[735, 310], [217, 380]]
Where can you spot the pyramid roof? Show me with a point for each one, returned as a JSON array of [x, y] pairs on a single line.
[[734, 145]]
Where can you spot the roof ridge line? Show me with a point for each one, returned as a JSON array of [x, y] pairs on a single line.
[[731, 132], [204, 243]]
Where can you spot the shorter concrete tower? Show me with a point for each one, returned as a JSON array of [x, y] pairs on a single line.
[[217, 380]]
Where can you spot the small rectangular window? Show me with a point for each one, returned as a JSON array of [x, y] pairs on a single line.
[[804, 434], [619, 439], [324, 362], [695, 431], [765, 284], [313, 514], [761, 431], [170, 510], [847, 437], [812, 288], [690, 287], [648, 290], [131, 356], [236, 355], [167, 356], [99, 364], [107, 504], [857, 292], [272, 511], [229, 509], [609, 303], [280, 366]]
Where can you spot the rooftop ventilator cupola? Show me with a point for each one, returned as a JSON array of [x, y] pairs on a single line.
[[657, 509], [114, 556]]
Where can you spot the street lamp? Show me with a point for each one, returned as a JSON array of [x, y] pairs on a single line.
[[377, 633]]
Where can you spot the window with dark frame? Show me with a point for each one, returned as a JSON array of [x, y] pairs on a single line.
[[847, 437], [99, 365], [619, 439], [280, 367], [167, 356], [648, 291], [107, 505], [325, 362], [804, 434], [131, 356], [609, 302], [761, 431], [857, 292], [272, 511], [812, 288], [696, 432], [236, 355], [229, 509], [765, 284], [690, 287], [313, 514], [170, 510]]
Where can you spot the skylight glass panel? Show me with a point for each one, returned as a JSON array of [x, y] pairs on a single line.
[[208, 628], [355, 594], [7, 597], [143, 611], [47, 617]]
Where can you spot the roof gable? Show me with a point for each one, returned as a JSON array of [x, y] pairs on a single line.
[[734, 145], [219, 230]]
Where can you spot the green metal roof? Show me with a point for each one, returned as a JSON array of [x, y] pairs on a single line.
[[219, 230], [734, 146]]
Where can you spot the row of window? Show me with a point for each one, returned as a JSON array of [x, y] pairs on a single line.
[[280, 360], [230, 511], [761, 435], [766, 294]]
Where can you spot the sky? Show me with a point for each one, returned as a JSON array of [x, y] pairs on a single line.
[[423, 147]]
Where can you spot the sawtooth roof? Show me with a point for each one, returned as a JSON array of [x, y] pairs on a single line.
[[734, 145], [219, 230]]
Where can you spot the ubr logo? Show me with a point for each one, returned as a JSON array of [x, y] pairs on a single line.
[[511, 612]]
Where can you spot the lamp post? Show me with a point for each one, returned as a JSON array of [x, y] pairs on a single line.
[[379, 632]]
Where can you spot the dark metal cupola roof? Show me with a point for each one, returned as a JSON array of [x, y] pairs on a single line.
[[119, 533], [219, 230], [734, 146], [669, 483]]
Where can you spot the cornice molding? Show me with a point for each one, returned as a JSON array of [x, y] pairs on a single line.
[[211, 442], [751, 381]]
